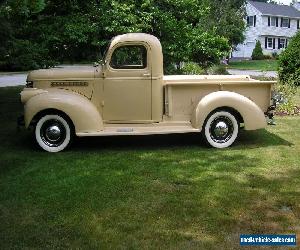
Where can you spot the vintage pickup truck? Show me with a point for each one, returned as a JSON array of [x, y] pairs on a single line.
[[128, 94]]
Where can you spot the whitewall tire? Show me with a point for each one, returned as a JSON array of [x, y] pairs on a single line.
[[221, 129], [53, 133]]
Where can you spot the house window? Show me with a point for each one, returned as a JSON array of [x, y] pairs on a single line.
[[285, 22], [251, 21], [270, 43], [273, 21], [282, 43]]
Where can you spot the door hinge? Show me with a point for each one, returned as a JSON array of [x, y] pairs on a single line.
[[102, 103]]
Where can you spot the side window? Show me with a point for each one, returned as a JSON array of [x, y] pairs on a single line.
[[129, 57]]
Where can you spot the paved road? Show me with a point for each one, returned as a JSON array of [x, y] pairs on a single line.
[[12, 79], [253, 72]]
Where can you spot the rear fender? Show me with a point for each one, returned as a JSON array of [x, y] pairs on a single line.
[[79, 109], [252, 115]]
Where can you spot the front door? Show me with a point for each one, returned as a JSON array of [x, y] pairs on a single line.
[[127, 84]]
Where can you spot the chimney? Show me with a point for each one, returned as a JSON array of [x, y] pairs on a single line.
[[296, 5]]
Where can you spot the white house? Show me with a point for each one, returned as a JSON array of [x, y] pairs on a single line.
[[272, 24]]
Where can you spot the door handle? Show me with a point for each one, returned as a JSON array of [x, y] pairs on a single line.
[[146, 74]]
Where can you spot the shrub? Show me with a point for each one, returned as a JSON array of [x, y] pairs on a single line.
[[289, 63], [267, 57], [257, 53], [218, 70], [171, 69], [286, 105], [192, 68], [275, 55]]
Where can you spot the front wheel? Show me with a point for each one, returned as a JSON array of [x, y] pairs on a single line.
[[53, 133], [220, 129]]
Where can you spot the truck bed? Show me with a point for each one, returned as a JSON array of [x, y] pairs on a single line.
[[183, 92], [208, 79]]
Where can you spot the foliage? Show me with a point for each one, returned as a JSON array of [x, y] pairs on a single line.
[[218, 70], [257, 53], [192, 68], [207, 49], [25, 55], [287, 106], [289, 63], [200, 31], [275, 55]]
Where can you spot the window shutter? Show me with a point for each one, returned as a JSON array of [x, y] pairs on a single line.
[[286, 42], [274, 41], [266, 42], [289, 23], [281, 22], [276, 21], [269, 21], [248, 20], [278, 43], [298, 24], [254, 21]]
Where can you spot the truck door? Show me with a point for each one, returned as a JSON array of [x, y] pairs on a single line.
[[127, 84]]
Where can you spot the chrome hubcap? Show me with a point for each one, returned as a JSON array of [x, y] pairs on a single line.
[[53, 133], [221, 129]]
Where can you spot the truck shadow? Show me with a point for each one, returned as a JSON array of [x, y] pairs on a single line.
[[247, 139]]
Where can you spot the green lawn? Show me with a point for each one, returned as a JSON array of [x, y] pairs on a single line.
[[155, 192], [263, 65]]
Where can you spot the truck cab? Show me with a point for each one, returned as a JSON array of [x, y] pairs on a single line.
[[128, 94], [133, 65]]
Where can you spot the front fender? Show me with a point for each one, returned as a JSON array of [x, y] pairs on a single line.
[[252, 115], [81, 111]]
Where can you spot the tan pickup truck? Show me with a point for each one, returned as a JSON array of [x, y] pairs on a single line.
[[128, 94]]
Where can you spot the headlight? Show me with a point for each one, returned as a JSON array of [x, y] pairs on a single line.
[[29, 84]]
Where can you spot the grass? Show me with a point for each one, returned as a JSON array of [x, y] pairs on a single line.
[[155, 192], [263, 65]]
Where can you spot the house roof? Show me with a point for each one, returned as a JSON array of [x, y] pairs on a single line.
[[276, 9]]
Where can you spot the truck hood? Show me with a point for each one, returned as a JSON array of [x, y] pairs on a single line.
[[72, 72]]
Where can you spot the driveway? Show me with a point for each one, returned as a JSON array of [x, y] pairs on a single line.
[[253, 72], [12, 79]]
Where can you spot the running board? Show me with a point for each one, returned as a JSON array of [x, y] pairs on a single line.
[[140, 130]]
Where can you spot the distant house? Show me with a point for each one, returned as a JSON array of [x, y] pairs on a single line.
[[272, 24]]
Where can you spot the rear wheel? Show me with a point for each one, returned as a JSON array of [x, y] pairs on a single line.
[[220, 129], [53, 132]]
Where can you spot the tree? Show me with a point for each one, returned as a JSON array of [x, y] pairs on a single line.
[[226, 17], [289, 63], [189, 30], [257, 53]]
